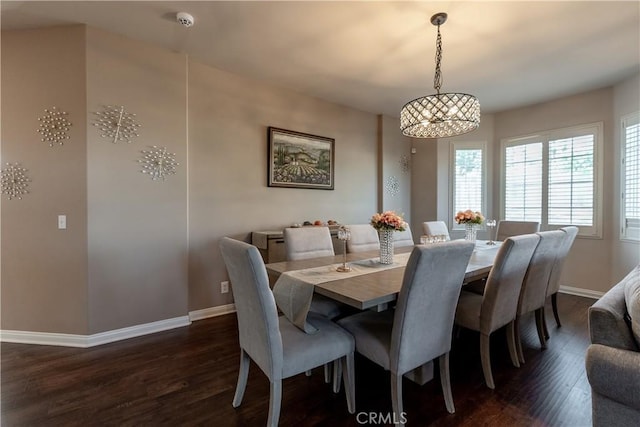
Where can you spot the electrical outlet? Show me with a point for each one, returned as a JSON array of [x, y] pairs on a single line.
[[62, 222], [224, 287]]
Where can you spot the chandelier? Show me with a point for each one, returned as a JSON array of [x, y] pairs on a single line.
[[443, 114]]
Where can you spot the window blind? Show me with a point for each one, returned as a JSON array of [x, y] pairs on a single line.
[[523, 182], [631, 178], [468, 185]]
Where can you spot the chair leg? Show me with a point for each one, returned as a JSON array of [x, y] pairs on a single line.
[[396, 397], [544, 324], [242, 378], [518, 339], [511, 342], [349, 378], [275, 397], [554, 304], [485, 357], [337, 373], [540, 327], [327, 373], [445, 380]]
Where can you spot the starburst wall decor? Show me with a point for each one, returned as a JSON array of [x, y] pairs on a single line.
[[117, 124], [54, 126], [393, 186], [14, 181], [158, 163]]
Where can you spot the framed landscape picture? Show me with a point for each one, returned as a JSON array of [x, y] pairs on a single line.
[[300, 160]]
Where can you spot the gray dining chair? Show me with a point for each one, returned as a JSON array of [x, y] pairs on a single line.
[[314, 242], [534, 285], [279, 348], [363, 238], [554, 279], [403, 238], [515, 228], [498, 305], [419, 330], [435, 228]]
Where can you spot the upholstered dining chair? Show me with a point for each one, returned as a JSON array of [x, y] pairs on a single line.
[[363, 238], [279, 348], [498, 305], [313, 242], [554, 279], [534, 285], [419, 330], [403, 238], [435, 228], [515, 228]]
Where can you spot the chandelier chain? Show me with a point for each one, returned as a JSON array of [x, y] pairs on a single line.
[[437, 78]]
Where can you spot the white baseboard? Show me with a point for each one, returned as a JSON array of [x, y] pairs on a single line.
[[212, 312], [84, 341], [588, 293]]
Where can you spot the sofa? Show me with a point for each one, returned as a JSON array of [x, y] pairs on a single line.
[[613, 358]]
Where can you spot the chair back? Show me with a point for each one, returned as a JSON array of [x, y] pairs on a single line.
[[403, 238], [363, 238], [426, 305], [436, 228], [502, 290], [307, 242], [534, 285], [515, 228], [255, 306], [554, 279]]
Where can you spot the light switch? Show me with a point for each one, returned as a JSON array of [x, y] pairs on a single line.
[[62, 222]]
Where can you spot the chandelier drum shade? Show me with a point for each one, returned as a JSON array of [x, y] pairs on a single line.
[[440, 115]]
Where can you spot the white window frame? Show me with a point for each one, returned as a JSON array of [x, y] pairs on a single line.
[[454, 146], [630, 234], [594, 231]]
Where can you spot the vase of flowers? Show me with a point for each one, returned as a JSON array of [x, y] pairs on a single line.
[[471, 221], [387, 223]]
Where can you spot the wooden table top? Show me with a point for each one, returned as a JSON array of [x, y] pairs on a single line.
[[379, 288]]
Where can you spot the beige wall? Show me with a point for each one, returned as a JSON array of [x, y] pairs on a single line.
[[44, 270], [394, 145], [228, 192], [137, 234]]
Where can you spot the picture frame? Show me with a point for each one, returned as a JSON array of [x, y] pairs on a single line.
[[300, 160]]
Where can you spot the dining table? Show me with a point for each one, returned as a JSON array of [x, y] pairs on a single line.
[[369, 284]]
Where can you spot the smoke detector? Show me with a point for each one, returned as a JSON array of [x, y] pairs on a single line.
[[185, 19]]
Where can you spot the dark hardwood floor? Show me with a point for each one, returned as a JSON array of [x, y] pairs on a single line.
[[187, 377]]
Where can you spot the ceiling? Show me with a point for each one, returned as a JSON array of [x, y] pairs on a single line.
[[375, 56]]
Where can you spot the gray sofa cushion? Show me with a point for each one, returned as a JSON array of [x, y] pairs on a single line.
[[632, 300]]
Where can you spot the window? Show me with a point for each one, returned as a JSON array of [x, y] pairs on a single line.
[[630, 180], [555, 178], [468, 177]]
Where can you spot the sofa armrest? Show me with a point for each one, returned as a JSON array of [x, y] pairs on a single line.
[[607, 325], [614, 373]]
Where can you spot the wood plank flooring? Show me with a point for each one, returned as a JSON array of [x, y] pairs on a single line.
[[187, 377]]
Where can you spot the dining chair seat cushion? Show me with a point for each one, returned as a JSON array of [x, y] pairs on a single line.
[[327, 307], [468, 311], [301, 351], [374, 334]]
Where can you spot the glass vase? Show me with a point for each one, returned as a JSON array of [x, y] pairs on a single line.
[[470, 230], [386, 246]]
